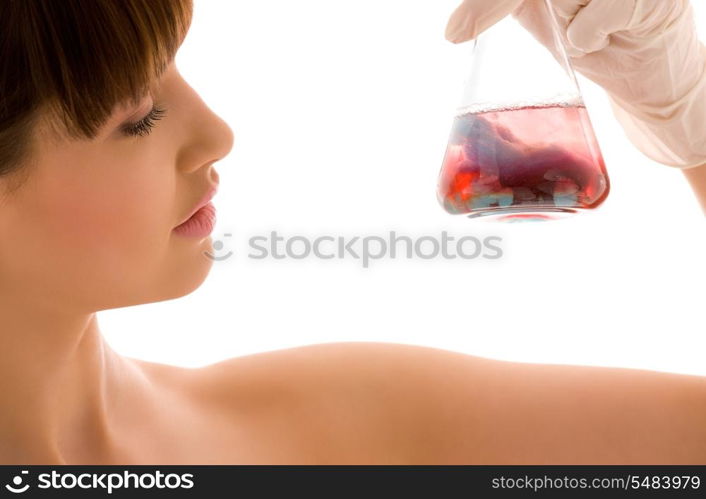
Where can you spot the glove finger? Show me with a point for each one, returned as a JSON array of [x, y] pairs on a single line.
[[567, 9], [592, 26], [473, 17]]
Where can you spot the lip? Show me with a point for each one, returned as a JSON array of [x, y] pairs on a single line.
[[205, 199]]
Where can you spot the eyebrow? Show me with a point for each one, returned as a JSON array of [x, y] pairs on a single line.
[[127, 107], [129, 103]]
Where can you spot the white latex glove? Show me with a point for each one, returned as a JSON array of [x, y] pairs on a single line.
[[644, 53]]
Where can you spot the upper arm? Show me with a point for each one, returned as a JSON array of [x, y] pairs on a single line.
[[384, 403], [409, 404]]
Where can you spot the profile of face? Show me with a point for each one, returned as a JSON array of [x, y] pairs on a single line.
[[91, 226]]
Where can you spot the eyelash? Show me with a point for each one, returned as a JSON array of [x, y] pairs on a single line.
[[145, 125]]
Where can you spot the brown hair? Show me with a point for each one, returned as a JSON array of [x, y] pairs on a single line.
[[79, 59]]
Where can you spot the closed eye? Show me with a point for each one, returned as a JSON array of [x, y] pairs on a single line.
[[145, 125]]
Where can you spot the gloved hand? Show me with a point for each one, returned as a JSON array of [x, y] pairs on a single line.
[[644, 53]]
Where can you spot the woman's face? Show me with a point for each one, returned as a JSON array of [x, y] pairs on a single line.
[[92, 227]]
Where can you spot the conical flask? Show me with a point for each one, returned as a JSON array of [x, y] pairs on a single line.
[[522, 146]]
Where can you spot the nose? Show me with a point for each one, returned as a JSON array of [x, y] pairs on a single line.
[[211, 139]]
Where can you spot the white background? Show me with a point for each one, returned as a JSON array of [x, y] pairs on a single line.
[[341, 112]]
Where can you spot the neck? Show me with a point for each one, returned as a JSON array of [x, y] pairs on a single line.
[[60, 384]]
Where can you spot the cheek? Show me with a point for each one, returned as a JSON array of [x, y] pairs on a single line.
[[112, 215], [106, 227]]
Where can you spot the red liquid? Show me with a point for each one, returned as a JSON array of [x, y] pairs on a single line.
[[524, 161]]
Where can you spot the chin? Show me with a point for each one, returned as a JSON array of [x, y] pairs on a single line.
[[188, 276], [179, 277]]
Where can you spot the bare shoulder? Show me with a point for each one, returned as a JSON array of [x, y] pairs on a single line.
[[386, 403], [330, 403]]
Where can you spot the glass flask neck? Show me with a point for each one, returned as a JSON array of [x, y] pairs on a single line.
[[511, 68]]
